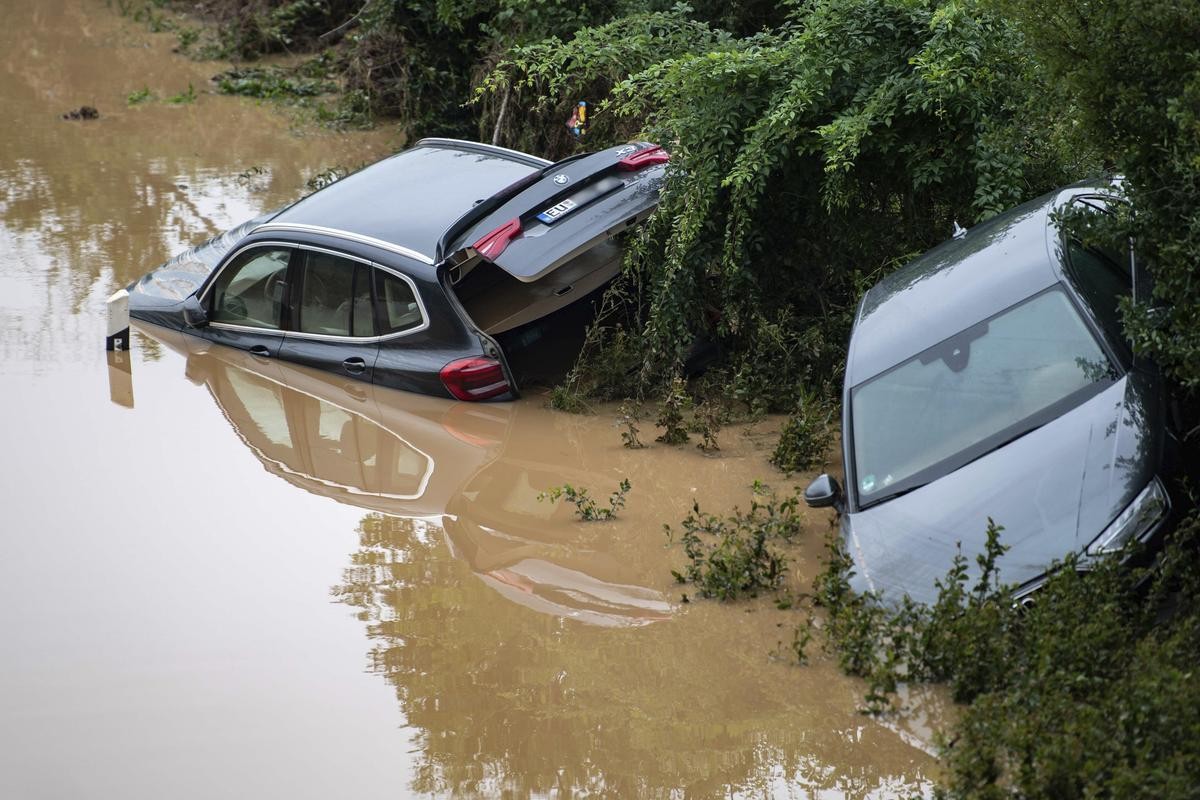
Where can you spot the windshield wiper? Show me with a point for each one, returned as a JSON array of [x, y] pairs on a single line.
[[895, 494]]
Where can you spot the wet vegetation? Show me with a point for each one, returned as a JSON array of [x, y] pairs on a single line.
[[586, 507], [806, 436], [815, 147], [737, 556]]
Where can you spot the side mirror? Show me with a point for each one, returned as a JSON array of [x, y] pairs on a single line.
[[823, 492], [194, 315]]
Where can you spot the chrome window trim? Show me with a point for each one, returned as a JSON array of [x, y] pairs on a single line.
[[320, 336], [212, 281], [340, 234]]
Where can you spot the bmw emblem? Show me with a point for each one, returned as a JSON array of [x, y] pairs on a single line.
[[561, 179]]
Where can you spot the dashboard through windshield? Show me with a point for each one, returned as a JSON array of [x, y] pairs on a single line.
[[971, 393]]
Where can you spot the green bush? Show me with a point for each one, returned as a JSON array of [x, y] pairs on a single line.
[[732, 557], [804, 157], [806, 436], [1131, 69], [1085, 692]]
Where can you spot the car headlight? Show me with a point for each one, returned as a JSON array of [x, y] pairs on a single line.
[[1138, 517]]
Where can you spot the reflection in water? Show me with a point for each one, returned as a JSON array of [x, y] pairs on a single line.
[[120, 378], [459, 470], [87, 207], [530, 653]]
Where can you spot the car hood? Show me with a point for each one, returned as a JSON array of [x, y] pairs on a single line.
[[168, 285], [1054, 491]]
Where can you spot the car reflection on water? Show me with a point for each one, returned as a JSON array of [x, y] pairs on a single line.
[[454, 467]]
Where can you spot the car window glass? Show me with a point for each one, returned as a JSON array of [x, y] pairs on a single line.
[[326, 292], [250, 290], [925, 416], [1102, 282], [399, 309]]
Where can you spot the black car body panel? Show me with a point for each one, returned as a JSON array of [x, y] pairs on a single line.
[[410, 198], [392, 218], [1060, 481], [604, 198]]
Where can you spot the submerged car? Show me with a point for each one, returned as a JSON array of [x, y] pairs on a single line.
[[991, 378], [441, 270]]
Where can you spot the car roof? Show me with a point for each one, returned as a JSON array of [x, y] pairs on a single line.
[[411, 198], [960, 282]]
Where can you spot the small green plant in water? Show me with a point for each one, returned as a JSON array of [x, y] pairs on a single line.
[[184, 97], [326, 177], [806, 435], [187, 37], [670, 413], [706, 423], [797, 648], [629, 416], [139, 97], [249, 174], [566, 398], [731, 557], [586, 506]]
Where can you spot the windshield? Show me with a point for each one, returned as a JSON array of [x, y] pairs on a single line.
[[971, 393]]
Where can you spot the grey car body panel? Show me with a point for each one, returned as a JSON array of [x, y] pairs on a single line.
[[954, 285], [1054, 489]]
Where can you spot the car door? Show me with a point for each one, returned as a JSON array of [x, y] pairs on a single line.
[[333, 325], [246, 301]]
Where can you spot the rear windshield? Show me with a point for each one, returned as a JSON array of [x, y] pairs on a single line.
[[972, 393]]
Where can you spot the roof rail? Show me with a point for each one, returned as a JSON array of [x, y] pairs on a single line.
[[480, 147]]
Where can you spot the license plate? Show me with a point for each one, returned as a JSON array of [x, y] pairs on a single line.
[[556, 212]]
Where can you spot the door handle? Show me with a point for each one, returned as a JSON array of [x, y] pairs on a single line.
[[355, 366], [260, 351]]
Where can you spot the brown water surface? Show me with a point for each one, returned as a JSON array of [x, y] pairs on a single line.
[[225, 577]]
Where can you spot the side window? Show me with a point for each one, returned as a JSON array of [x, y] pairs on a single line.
[[335, 297], [326, 285], [1101, 270], [399, 310], [250, 290]]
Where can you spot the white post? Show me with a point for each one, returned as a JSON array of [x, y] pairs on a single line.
[[118, 322]]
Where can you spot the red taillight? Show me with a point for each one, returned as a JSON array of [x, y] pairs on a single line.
[[491, 245], [644, 158], [475, 378]]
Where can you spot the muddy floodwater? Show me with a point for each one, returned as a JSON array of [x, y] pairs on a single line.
[[229, 577]]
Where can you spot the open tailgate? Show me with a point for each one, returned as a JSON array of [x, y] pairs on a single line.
[[543, 221]]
